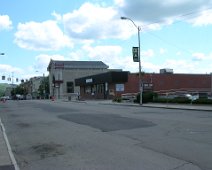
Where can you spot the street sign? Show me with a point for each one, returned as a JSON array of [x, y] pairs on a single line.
[[119, 87], [135, 51]]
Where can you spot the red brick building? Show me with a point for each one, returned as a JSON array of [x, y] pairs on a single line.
[[161, 83]]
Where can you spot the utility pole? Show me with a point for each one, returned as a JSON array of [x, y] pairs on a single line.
[[139, 58], [12, 78], [211, 84]]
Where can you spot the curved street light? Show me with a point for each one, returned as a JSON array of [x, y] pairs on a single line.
[[139, 58], [1, 53]]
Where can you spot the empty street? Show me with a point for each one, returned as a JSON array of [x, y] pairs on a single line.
[[58, 135]]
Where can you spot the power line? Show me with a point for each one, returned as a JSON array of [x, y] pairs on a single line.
[[182, 16], [178, 17], [170, 43]]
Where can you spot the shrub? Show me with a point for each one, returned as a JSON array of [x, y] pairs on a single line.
[[161, 100], [146, 97], [181, 100], [202, 101], [175, 100], [117, 99]]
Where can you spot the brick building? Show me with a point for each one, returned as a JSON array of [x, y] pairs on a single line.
[[166, 83], [102, 86], [161, 83]]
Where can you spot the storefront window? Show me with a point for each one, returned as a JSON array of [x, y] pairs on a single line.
[[88, 89], [100, 88]]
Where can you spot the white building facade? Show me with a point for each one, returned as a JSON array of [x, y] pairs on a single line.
[[35, 83], [62, 75]]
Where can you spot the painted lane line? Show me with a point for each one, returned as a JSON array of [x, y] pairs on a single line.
[[9, 147]]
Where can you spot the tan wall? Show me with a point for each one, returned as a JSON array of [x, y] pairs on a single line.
[[69, 75]]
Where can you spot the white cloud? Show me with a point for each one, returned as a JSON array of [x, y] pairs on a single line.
[[103, 52], [163, 11], [5, 22], [4, 68], [92, 21], [16, 73], [41, 36], [188, 66], [147, 53], [38, 68], [42, 61], [205, 18], [57, 16], [180, 66], [179, 53], [150, 67], [76, 55], [162, 51], [119, 2], [112, 56], [199, 56]]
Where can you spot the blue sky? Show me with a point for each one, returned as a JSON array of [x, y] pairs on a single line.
[[175, 34]]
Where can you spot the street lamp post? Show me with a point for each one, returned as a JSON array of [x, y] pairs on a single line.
[[139, 57]]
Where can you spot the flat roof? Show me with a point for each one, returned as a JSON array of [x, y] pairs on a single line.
[[109, 77]]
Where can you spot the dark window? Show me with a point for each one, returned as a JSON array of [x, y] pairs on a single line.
[[70, 87], [99, 88]]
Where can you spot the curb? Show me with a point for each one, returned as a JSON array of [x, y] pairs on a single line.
[[9, 149], [144, 105], [161, 107], [178, 108]]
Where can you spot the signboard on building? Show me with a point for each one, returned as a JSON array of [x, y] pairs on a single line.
[[89, 80], [59, 65], [147, 86], [135, 51], [119, 87]]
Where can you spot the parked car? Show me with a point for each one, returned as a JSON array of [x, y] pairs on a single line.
[[19, 97], [191, 97], [28, 97], [5, 98]]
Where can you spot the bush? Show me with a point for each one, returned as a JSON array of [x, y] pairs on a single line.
[[162, 100], [146, 97], [181, 100], [202, 101], [117, 99], [175, 100]]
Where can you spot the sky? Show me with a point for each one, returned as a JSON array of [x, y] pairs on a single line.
[[175, 34]]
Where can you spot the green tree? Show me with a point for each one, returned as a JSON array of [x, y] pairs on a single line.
[[43, 89], [19, 90]]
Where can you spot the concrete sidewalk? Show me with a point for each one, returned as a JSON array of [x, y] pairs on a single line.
[[154, 105], [167, 106], [180, 106]]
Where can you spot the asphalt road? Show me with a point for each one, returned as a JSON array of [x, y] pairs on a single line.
[[46, 135]]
